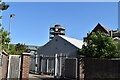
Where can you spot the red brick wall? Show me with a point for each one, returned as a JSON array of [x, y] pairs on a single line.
[[0, 72], [3, 67], [25, 66]]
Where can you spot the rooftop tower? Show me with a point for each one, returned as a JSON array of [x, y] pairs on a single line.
[[56, 30]]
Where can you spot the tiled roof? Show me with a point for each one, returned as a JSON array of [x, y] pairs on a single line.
[[107, 29]]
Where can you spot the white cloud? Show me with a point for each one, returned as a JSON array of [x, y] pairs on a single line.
[[60, 0]]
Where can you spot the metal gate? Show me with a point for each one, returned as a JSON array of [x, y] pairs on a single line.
[[32, 63], [47, 65], [14, 67], [71, 68], [54, 65]]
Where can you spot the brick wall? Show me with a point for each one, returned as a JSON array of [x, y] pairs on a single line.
[[99, 68], [25, 66], [3, 65]]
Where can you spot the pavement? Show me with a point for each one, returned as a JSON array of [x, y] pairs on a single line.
[[44, 77]]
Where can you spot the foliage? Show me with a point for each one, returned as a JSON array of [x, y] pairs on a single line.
[[17, 49], [4, 39], [100, 45], [4, 6], [119, 46], [10, 48]]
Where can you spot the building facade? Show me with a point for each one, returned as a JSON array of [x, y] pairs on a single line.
[[61, 44]]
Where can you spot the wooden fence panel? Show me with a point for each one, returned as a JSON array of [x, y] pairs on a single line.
[[14, 66]]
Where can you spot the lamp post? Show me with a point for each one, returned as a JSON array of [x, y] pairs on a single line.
[[10, 21]]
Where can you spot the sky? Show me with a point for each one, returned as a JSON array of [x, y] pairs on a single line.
[[60, 0], [33, 19]]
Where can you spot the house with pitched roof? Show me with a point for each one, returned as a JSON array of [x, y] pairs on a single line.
[[99, 27], [61, 44]]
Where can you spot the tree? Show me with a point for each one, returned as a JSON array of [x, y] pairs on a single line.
[[3, 34], [21, 47], [100, 45], [17, 49], [3, 6], [12, 49], [4, 39]]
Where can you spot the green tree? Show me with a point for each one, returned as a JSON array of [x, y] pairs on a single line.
[[4, 39], [21, 47], [3, 34], [12, 49], [17, 49], [100, 45]]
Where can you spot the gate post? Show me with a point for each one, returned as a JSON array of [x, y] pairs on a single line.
[[25, 66], [36, 64], [81, 68], [60, 74], [41, 64], [56, 64], [47, 64]]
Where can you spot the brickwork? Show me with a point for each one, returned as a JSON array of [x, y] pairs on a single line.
[[0, 72], [3, 66], [25, 66]]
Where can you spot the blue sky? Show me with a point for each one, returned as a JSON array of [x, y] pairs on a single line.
[[33, 19], [60, 0]]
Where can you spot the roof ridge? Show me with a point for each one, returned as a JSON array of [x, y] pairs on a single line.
[[73, 41], [70, 38]]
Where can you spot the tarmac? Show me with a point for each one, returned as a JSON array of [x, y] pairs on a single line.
[[44, 77]]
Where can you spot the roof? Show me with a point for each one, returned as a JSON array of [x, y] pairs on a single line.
[[105, 28], [75, 42], [31, 47]]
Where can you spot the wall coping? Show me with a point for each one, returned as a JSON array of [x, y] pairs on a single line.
[[26, 53], [5, 53]]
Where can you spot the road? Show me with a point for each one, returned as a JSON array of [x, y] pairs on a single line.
[[43, 77]]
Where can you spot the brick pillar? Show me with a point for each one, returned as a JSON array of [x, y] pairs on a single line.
[[25, 66], [3, 65]]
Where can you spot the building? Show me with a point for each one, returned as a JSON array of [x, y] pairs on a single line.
[[99, 27], [52, 55], [32, 49], [61, 44]]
